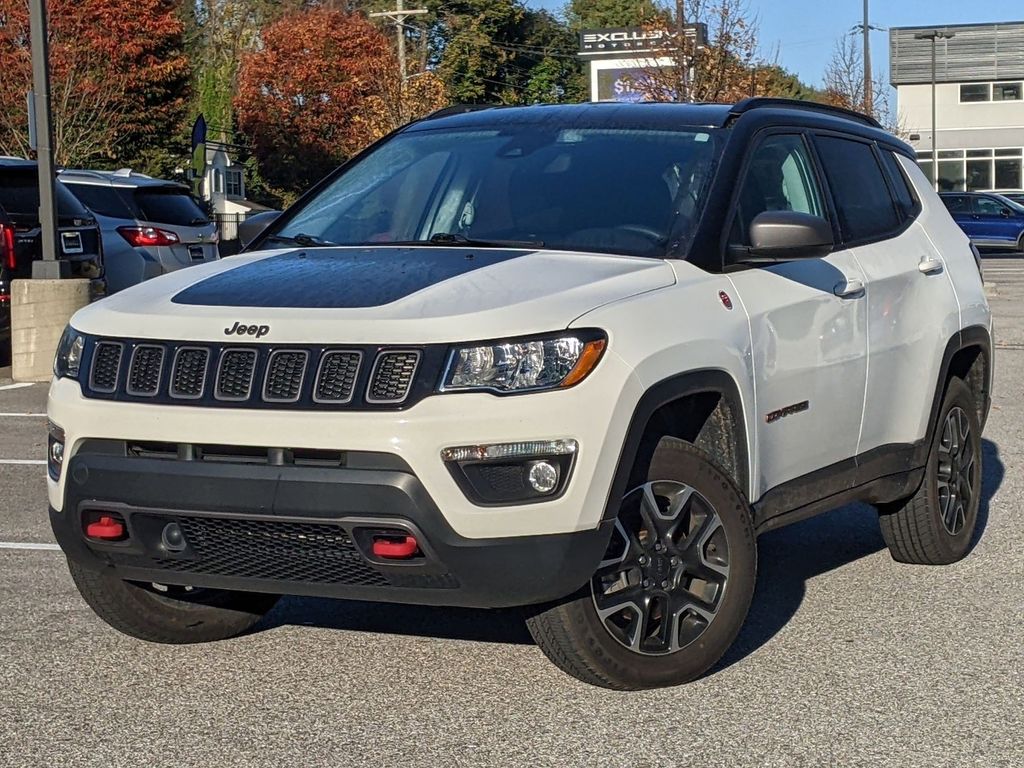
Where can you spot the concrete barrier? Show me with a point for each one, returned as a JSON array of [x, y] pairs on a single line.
[[39, 311]]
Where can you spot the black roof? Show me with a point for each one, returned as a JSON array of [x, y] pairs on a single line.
[[660, 115], [16, 162]]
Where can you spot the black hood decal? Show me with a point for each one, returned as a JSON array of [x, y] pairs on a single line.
[[339, 278]]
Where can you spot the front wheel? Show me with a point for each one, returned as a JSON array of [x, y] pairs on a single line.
[[168, 614], [674, 587]]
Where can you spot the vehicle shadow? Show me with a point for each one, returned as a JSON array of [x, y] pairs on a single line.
[[789, 557]]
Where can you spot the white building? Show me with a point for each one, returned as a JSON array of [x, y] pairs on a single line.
[[979, 102], [224, 188]]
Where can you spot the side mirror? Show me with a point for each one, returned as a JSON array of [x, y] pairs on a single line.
[[787, 235], [250, 229]]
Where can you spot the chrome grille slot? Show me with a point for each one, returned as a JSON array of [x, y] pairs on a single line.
[[188, 373], [392, 377], [286, 371], [336, 378], [106, 366], [145, 370], [235, 374]]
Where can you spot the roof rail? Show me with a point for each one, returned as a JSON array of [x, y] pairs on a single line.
[[764, 102], [84, 172]]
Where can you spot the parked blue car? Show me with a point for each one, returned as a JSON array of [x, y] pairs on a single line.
[[990, 220]]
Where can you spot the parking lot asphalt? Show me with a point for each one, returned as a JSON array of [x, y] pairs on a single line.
[[847, 659]]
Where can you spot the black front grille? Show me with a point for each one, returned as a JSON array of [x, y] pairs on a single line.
[[106, 365], [210, 374], [145, 370], [285, 372], [234, 377], [336, 381], [188, 377], [311, 553], [392, 376]]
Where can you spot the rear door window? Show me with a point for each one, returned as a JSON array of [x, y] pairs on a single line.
[[863, 201], [957, 203], [905, 197], [169, 206], [106, 201]]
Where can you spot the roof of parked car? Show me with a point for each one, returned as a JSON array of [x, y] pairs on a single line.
[[7, 161], [656, 115], [124, 177]]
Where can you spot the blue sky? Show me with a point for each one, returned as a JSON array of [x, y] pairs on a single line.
[[803, 32]]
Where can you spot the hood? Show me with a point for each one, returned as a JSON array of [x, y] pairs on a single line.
[[384, 295]]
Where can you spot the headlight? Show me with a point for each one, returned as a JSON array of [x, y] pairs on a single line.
[[522, 365], [69, 354]]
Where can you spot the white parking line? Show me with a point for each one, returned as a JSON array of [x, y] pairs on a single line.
[[27, 545], [22, 461], [16, 386], [23, 415]]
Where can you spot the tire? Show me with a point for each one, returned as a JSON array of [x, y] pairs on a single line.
[[704, 526], [175, 615], [936, 525]]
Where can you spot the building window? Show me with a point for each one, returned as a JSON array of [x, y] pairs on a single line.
[[1007, 92], [984, 92], [234, 183], [976, 170], [218, 181], [975, 92]]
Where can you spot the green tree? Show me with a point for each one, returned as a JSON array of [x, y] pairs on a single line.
[[595, 14]]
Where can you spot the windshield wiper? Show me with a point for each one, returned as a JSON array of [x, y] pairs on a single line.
[[307, 241], [451, 238]]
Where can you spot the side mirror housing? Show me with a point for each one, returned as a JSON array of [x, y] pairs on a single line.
[[250, 229], [788, 235]]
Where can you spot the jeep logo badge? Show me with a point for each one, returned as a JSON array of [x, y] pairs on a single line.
[[240, 329]]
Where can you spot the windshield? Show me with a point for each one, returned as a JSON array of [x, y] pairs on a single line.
[[579, 189]]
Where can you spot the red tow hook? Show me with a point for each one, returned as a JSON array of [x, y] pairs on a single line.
[[393, 548], [106, 529]]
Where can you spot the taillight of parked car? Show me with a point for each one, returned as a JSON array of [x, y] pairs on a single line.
[[147, 236], [7, 246]]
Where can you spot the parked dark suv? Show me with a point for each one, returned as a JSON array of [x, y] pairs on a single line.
[[990, 220], [20, 235]]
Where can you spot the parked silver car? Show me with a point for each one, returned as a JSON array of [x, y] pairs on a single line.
[[149, 226]]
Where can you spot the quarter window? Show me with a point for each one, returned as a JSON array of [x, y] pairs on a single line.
[[780, 178], [863, 201]]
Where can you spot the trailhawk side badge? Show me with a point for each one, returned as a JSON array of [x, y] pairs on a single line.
[[239, 329], [789, 410]]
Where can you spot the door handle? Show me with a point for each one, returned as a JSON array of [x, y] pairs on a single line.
[[930, 266], [849, 288]]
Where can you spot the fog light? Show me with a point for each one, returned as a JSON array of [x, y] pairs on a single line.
[[54, 450], [543, 476]]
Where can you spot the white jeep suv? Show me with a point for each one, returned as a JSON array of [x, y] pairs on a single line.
[[574, 358]]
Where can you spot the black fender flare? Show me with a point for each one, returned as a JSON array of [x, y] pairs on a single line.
[[667, 391]]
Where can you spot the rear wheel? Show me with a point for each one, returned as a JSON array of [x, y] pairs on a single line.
[[674, 587], [169, 614], [935, 526]]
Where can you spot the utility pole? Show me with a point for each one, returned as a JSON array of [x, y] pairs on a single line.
[[49, 267], [398, 16], [934, 35], [683, 63], [869, 106]]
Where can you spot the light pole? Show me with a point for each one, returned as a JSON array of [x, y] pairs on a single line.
[[934, 35]]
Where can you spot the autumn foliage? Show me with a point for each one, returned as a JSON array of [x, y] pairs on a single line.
[[120, 78], [314, 93]]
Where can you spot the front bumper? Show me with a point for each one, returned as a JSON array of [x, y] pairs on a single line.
[[305, 530]]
